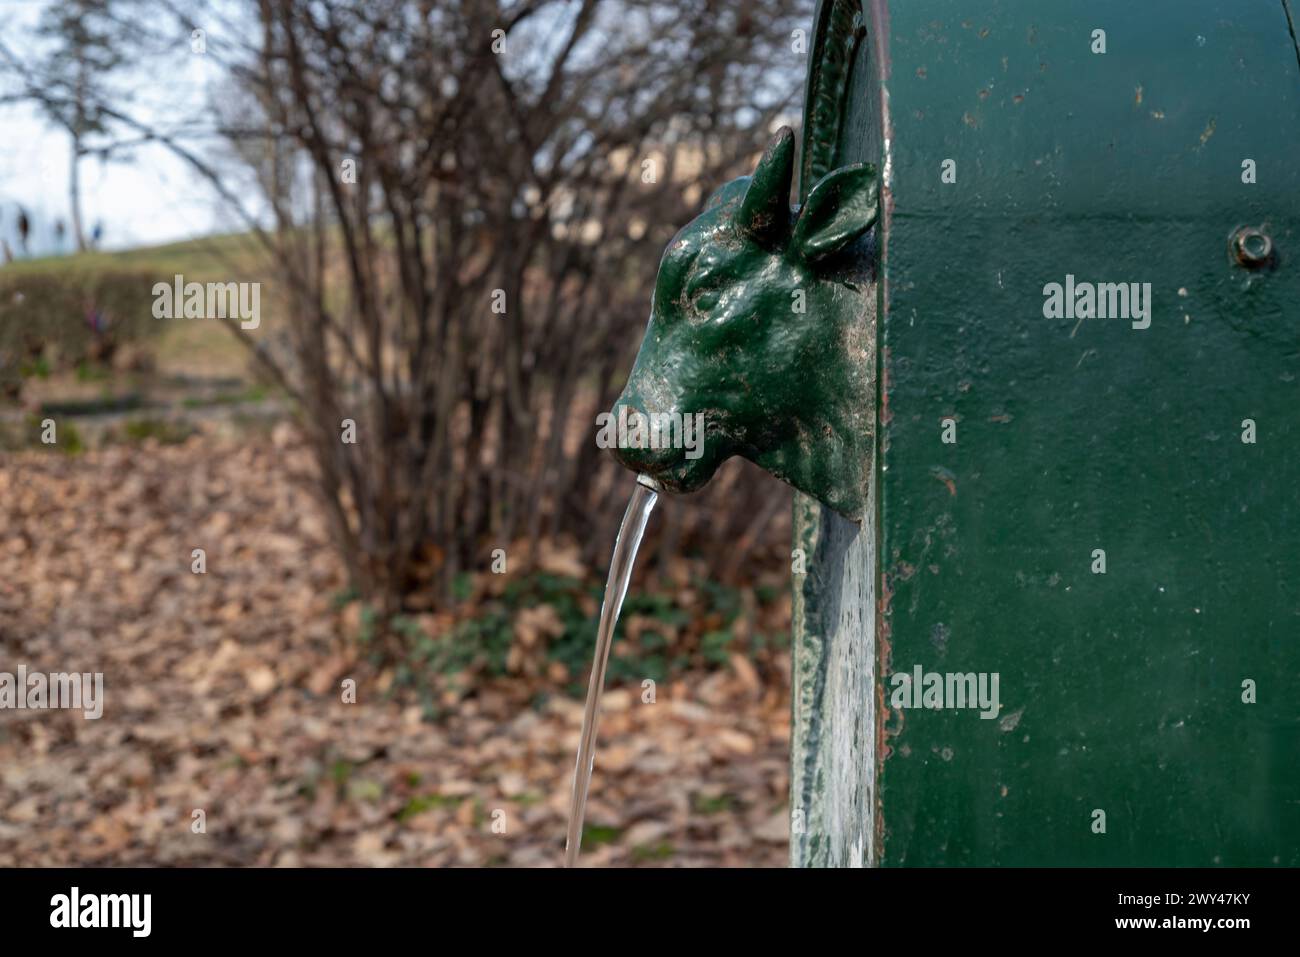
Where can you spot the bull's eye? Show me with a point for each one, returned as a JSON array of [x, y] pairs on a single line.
[[704, 301]]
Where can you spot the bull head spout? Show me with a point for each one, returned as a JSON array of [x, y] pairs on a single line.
[[760, 324]]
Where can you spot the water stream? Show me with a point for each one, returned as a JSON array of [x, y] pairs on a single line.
[[620, 573]]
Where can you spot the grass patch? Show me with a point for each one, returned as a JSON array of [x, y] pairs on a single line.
[[24, 434], [164, 431], [597, 834], [714, 805], [653, 852], [426, 802], [254, 393]]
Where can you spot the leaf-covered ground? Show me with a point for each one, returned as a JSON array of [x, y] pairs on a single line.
[[224, 690]]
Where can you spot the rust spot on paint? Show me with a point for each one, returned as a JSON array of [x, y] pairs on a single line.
[[884, 717], [883, 733], [1018, 98], [1137, 97], [884, 655], [1208, 131], [885, 659], [882, 752], [920, 72], [946, 477], [888, 723], [884, 629]]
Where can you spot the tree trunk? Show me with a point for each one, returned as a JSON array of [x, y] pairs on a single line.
[[74, 194]]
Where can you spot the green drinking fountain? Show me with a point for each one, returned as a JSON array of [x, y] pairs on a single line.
[[1028, 348]]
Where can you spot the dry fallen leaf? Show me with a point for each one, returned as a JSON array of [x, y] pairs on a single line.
[[222, 694], [260, 679], [536, 622]]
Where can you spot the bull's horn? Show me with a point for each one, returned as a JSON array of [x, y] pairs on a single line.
[[765, 210]]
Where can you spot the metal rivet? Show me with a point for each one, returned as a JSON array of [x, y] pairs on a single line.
[[1251, 246]]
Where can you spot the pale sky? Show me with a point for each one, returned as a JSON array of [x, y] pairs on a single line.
[[153, 199]]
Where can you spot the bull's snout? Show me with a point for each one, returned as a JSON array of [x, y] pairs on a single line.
[[675, 449]]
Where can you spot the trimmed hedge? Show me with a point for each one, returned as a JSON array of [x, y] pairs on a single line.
[[58, 316]]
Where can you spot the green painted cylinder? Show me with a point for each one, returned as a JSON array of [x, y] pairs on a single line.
[[1084, 317]]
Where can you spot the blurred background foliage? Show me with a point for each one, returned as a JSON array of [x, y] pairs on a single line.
[[456, 209], [388, 170]]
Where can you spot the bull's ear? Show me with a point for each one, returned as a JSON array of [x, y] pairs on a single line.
[[765, 210], [726, 193], [840, 208]]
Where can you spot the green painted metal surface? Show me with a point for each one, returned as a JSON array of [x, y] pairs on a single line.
[[1120, 692]]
